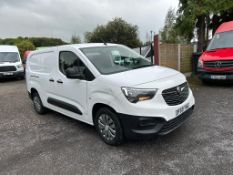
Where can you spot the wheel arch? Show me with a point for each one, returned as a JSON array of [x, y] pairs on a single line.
[[98, 106], [32, 92]]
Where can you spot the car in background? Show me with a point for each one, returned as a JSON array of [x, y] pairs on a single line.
[[216, 63], [10, 62]]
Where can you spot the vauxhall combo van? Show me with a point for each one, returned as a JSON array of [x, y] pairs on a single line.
[[111, 87], [10, 62]]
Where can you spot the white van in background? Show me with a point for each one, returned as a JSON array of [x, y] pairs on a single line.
[[111, 87], [10, 62]]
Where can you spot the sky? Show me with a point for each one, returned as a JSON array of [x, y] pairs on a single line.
[[64, 18]]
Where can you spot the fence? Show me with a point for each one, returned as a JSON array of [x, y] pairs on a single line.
[[176, 56]]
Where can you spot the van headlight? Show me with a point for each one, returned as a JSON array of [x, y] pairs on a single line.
[[19, 66], [200, 64], [135, 95]]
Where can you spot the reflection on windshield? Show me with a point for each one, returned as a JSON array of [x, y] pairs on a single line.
[[114, 59], [221, 40], [9, 57]]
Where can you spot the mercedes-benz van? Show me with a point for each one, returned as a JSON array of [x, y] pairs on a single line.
[[111, 87], [216, 63], [10, 62]]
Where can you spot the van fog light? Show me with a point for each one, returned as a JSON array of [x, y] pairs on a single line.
[[138, 94]]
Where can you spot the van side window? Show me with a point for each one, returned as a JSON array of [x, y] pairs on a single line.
[[69, 62]]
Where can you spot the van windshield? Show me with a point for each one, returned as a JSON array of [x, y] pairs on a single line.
[[114, 59], [9, 57], [221, 40]]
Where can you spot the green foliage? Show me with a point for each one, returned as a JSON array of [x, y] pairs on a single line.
[[168, 34], [75, 39], [198, 15], [25, 45], [116, 31], [46, 42]]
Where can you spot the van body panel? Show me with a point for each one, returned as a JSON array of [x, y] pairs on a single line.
[[227, 26], [216, 63], [76, 97], [10, 62]]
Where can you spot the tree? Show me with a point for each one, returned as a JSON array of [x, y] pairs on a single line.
[[25, 45], [116, 31], [75, 39], [168, 34], [37, 41], [198, 15], [46, 42]]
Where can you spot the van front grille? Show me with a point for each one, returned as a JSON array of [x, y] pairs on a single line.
[[176, 95], [219, 64], [7, 68]]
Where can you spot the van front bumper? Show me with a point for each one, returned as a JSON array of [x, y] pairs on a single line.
[[142, 127], [220, 76], [11, 74]]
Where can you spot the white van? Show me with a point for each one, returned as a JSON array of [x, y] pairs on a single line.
[[10, 62], [126, 98]]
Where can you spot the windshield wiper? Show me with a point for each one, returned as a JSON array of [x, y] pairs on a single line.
[[144, 66]]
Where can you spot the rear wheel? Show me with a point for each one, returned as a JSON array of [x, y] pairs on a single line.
[[38, 105], [108, 126]]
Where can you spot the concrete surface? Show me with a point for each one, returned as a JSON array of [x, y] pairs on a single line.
[[55, 144]]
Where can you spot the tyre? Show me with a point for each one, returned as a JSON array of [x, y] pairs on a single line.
[[108, 126], [38, 105]]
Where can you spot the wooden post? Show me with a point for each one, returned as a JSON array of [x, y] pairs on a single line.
[[156, 49], [179, 59]]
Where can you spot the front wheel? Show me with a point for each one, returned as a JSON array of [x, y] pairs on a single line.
[[108, 127]]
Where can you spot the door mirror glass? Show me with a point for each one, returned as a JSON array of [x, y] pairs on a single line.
[[74, 74]]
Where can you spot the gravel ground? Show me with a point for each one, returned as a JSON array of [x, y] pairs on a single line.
[[55, 144]]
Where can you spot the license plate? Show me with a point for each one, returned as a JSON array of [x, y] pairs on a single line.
[[218, 77], [7, 73], [182, 109]]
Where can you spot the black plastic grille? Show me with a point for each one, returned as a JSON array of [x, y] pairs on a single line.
[[7, 68], [176, 95], [176, 122], [219, 64]]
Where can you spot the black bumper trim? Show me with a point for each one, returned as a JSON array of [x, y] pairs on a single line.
[[14, 74], [142, 127], [207, 76], [64, 105]]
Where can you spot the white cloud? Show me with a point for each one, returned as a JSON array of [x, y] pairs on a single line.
[[62, 18]]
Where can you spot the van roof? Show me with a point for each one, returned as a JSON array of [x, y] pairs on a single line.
[[76, 46], [224, 27], [8, 48]]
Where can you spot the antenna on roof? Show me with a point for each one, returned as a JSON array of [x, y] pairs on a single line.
[[104, 42]]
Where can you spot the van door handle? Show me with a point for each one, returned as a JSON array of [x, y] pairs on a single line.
[[59, 81], [51, 80], [34, 76]]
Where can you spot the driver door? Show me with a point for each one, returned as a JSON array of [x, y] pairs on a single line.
[[68, 96]]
